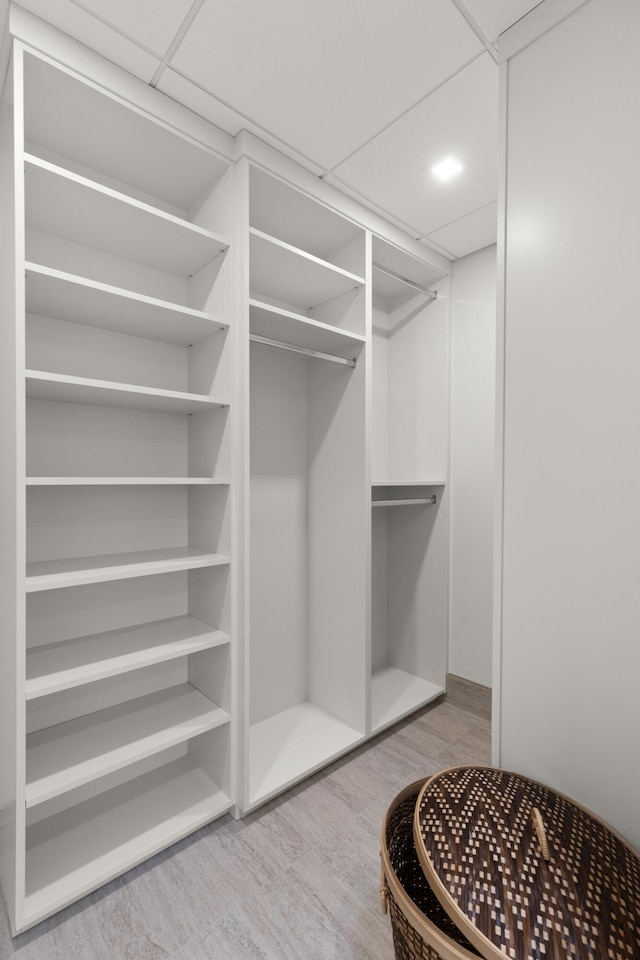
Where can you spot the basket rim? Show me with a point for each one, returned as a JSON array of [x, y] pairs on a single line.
[[420, 923], [466, 926]]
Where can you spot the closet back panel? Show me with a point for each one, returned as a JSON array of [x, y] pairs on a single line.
[[338, 533], [90, 521], [417, 584], [94, 788], [380, 626], [65, 522], [84, 700], [73, 349], [69, 439], [54, 615], [418, 388], [61, 253], [278, 519], [380, 395]]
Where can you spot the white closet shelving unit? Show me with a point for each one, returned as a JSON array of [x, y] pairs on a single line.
[[305, 289], [224, 415], [409, 459], [118, 732]]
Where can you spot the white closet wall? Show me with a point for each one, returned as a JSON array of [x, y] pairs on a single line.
[[569, 705], [473, 373]]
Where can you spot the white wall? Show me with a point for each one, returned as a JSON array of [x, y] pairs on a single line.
[[570, 658], [471, 485]]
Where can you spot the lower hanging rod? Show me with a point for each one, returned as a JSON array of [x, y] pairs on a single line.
[[303, 350]]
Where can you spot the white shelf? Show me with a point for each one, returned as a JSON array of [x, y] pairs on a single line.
[[408, 483], [68, 755], [59, 387], [298, 219], [65, 204], [124, 481], [275, 323], [55, 574], [70, 663], [285, 273], [113, 138], [76, 851], [65, 296], [293, 744], [395, 694]]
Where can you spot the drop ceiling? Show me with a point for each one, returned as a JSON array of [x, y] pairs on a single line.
[[365, 93]]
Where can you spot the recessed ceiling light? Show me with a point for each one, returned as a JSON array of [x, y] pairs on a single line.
[[447, 168]]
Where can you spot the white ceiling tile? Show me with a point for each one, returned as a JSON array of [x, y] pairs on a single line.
[[473, 232], [324, 75], [460, 118], [186, 92], [496, 16], [84, 27], [153, 23]]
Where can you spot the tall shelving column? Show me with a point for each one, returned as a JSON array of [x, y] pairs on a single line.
[[124, 459], [305, 570], [410, 416]]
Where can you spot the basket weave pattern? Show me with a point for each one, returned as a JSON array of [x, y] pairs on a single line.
[[475, 825], [409, 942]]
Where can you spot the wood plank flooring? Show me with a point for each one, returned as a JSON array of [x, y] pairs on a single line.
[[296, 880]]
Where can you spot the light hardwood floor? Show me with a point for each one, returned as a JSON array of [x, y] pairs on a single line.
[[297, 880]]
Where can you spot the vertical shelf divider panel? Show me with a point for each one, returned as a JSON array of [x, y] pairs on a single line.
[[119, 494], [12, 497], [409, 460]]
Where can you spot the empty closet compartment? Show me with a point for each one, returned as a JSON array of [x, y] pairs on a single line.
[[106, 403], [79, 635], [410, 359], [91, 443], [128, 725], [106, 199], [409, 602], [307, 570], [73, 353], [77, 841], [306, 270], [79, 534], [409, 460]]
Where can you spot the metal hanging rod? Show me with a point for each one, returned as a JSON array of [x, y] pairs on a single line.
[[303, 350], [404, 502], [405, 280]]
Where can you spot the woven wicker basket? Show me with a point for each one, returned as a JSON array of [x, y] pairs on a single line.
[[477, 861], [421, 928]]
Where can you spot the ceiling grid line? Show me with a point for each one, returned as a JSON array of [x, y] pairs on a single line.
[[352, 191], [111, 26], [469, 213], [177, 40], [404, 113], [255, 123], [475, 26]]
